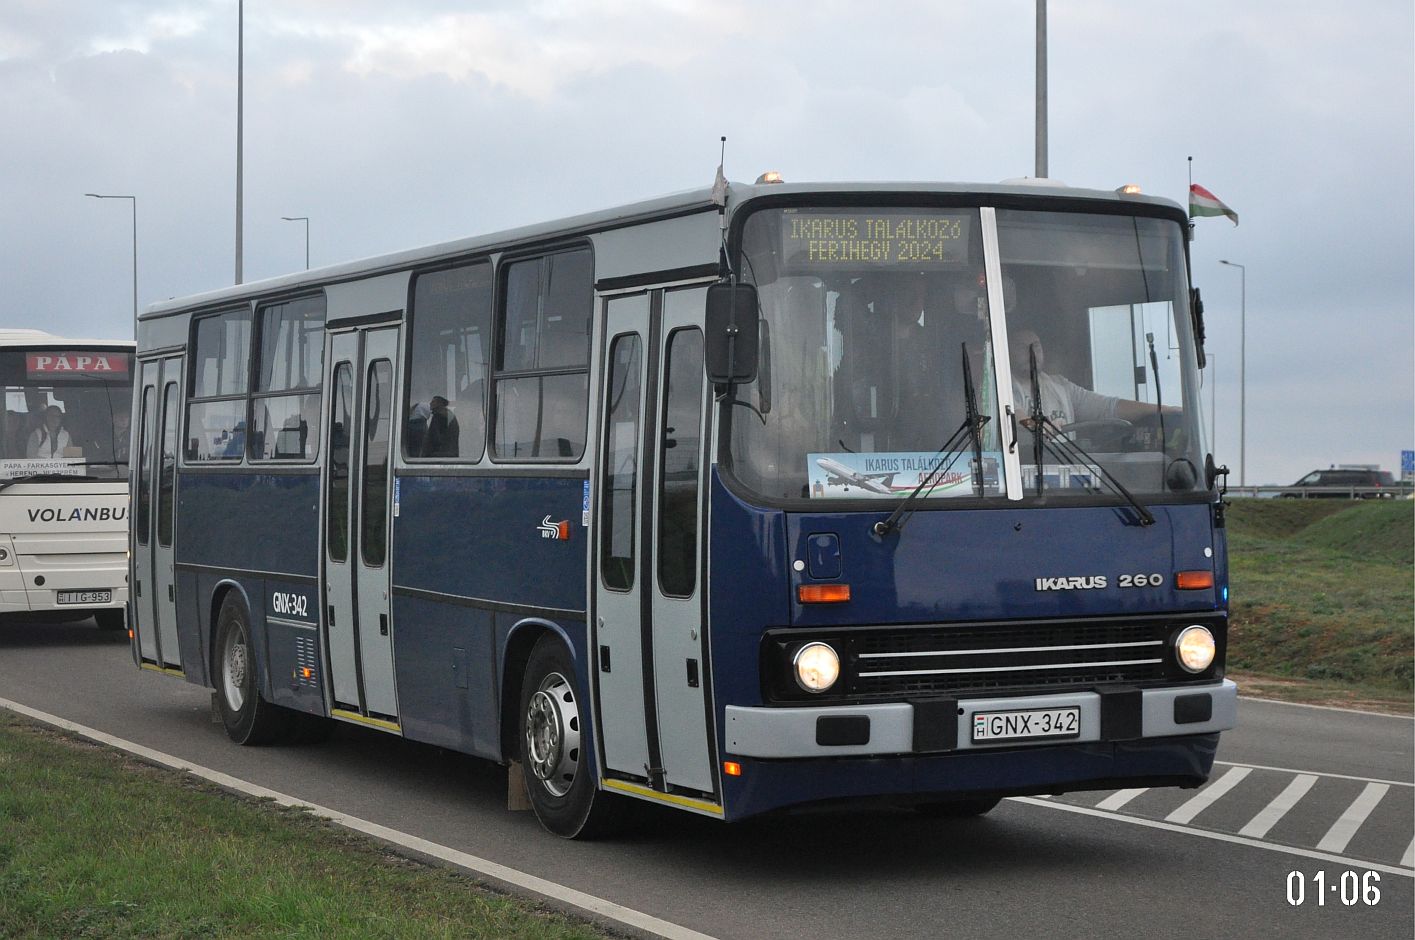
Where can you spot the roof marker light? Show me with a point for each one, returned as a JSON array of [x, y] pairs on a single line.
[[1129, 189], [770, 176]]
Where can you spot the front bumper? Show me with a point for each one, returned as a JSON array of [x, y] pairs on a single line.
[[903, 728]]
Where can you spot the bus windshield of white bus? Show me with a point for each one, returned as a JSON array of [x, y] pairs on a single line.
[[67, 412], [878, 338]]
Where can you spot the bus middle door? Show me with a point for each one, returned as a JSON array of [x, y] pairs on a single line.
[[357, 500]]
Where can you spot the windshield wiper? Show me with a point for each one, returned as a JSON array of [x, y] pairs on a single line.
[[1071, 452], [972, 426]]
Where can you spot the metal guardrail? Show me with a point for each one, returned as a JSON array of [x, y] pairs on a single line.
[[1398, 491]]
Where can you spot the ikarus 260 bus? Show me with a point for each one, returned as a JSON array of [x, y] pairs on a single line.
[[64, 438], [733, 501]]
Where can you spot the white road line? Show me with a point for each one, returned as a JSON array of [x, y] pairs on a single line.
[[496, 872], [1408, 859], [1317, 773], [1328, 708], [1259, 825], [1119, 798], [1359, 863], [1344, 828], [1208, 796]]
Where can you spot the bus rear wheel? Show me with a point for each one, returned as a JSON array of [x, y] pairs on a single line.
[[554, 750], [248, 718]]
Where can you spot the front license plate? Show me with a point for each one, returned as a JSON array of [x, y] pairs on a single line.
[[85, 597], [1033, 723]]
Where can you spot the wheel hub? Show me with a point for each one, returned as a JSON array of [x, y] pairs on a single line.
[[553, 734], [233, 670]]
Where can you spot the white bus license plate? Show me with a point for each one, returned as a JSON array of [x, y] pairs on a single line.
[[1035, 723], [85, 597]]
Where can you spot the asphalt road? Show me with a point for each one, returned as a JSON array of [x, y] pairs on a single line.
[[1311, 779]]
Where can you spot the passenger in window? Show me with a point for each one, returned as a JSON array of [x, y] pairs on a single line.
[[416, 430], [1063, 401], [442, 430], [50, 439], [102, 447]]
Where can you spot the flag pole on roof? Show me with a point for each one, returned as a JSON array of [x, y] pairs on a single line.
[[719, 183]]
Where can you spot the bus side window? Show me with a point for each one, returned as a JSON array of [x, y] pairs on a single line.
[[448, 364], [541, 388]]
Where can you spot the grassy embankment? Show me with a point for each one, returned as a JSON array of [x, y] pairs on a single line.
[[1323, 601], [96, 844]]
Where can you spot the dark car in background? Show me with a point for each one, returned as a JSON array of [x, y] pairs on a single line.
[[1345, 484]]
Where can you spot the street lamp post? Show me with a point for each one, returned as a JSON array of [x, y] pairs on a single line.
[[134, 201], [1242, 369], [305, 219]]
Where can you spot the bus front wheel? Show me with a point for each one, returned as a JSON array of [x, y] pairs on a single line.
[[248, 718], [554, 749]]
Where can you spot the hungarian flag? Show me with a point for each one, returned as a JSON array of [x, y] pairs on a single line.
[[1203, 202]]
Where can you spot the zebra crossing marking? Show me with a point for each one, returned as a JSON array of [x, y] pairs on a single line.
[[1344, 828], [1259, 825], [1208, 796]]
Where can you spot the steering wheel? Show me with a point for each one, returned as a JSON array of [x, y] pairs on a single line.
[[1102, 434], [1113, 425]]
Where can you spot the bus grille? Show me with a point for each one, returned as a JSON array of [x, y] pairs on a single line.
[[1003, 658]]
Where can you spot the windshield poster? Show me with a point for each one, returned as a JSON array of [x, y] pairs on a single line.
[[892, 475]]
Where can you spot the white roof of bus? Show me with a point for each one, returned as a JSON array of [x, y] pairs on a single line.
[[9, 337], [673, 203]]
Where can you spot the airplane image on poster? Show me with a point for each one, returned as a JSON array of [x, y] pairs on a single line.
[[879, 475]]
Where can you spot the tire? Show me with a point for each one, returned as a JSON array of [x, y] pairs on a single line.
[[558, 768], [248, 718], [111, 618], [957, 809]]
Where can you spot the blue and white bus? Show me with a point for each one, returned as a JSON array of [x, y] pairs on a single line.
[[730, 502]]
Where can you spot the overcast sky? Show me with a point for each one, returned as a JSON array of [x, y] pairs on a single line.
[[397, 124]]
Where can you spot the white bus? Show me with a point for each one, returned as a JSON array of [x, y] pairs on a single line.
[[64, 447]]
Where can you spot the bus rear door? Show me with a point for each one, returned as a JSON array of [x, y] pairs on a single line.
[[154, 594]]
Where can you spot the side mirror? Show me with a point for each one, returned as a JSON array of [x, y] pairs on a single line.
[[731, 337]]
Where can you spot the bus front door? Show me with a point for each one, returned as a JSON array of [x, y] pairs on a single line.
[[358, 634], [651, 653], [154, 596]]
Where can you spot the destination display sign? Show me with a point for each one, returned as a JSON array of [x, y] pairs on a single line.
[[71, 363], [875, 238]]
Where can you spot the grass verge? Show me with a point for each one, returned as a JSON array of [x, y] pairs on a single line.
[[96, 844], [1322, 593]]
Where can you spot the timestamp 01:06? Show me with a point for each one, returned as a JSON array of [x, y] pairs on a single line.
[[1349, 888]]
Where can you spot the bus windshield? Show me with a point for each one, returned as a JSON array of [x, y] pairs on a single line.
[[877, 331], [67, 412]]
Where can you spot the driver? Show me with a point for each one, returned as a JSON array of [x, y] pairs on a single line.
[[1063, 401]]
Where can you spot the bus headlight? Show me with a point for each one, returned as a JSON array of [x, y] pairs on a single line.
[[817, 667], [1195, 648]]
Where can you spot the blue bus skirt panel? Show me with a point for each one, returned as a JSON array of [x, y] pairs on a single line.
[[476, 561], [493, 540], [244, 529], [766, 785]]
